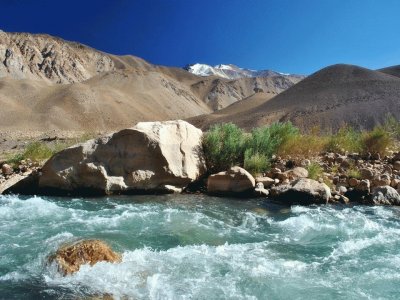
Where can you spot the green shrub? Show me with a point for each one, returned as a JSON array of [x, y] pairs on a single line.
[[353, 172], [392, 125], [255, 163], [376, 141], [268, 140], [315, 171], [224, 146], [346, 139], [303, 145]]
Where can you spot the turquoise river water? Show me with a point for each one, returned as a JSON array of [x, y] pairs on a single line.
[[199, 247]]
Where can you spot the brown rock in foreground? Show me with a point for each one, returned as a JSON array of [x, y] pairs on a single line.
[[71, 257]]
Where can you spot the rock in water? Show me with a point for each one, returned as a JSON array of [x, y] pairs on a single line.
[[385, 195], [147, 158], [302, 191], [235, 181], [71, 257]]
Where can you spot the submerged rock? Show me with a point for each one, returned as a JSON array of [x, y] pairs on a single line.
[[71, 257], [235, 181], [302, 191], [150, 157]]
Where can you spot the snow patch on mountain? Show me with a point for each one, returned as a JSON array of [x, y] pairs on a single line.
[[232, 71]]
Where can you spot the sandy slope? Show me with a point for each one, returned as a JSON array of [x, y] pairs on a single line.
[[329, 98]]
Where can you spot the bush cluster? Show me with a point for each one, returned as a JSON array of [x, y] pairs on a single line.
[[226, 145]]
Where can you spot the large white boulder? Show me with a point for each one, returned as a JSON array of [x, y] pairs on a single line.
[[147, 157]]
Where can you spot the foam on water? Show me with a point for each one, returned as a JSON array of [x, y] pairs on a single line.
[[196, 247]]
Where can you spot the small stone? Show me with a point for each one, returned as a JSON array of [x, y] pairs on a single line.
[[7, 169], [341, 189], [395, 183], [396, 165], [305, 163], [353, 182], [376, 156], [364, 186], [366, 173], [276, 170], [387, 169], [266, 181], [381, 181]]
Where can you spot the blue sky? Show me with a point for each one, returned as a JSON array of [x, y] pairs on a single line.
[[285, 35]]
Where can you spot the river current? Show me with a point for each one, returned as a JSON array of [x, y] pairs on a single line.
[[200, 247]]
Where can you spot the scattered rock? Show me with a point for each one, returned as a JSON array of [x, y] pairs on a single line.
[[266, 181], [235, 181], [353, 182], [366, 173], [7, 169], [296, 173], [260, 190], [71, 257], [302, 191], [364, 186]]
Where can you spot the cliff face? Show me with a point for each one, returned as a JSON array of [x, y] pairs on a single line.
[[43, 57]]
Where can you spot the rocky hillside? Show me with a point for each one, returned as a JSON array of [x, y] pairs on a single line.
[[329, 98], [43, 57], [47, 83]]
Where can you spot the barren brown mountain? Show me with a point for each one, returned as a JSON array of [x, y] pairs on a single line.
[[47, 83], [394, 70], [329, 98]]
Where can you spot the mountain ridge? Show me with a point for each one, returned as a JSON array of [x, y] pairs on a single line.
[[47, 83], [230, 71], [331, 97]]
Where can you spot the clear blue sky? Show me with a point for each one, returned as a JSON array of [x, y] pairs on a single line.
[[297, 36]]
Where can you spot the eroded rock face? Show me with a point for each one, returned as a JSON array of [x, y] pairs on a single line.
[[71, 257], [147, 157], [42, 57], [302, 191], [234, 181]]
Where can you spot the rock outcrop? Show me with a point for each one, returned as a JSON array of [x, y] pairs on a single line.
[[302, 191], [234, 181], [42, 57], [69, 258], [150, 157]]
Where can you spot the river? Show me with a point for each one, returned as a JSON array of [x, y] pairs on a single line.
[[200, 247]]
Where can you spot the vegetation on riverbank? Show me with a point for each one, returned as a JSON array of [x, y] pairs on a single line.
[[39, 151], [226, 145]]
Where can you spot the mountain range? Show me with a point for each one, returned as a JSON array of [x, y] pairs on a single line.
[[47, 83], [335, 96], [233, 72]]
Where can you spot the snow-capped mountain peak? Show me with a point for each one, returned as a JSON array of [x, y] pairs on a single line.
[[231, 71]]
